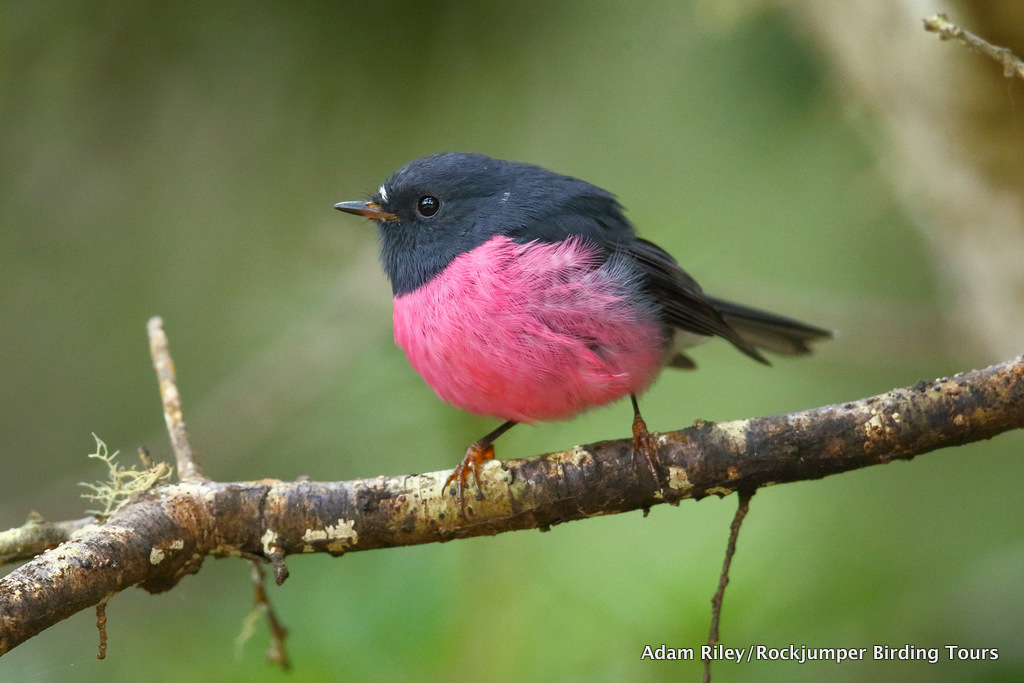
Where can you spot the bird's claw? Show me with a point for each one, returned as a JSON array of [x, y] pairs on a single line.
[[645, 447], [475, 456]]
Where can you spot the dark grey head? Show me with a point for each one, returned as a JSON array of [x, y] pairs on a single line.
[[443, 205]]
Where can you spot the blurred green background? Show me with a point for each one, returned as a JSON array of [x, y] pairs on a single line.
[[182, 159]]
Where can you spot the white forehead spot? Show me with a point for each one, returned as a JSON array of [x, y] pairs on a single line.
[[383, 193]]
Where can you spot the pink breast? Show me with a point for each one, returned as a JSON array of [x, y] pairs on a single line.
[[529, 332]]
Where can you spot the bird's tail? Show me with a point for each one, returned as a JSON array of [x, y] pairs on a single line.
[[769, 331]]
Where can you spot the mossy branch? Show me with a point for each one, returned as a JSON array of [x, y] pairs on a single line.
[[163, 534]]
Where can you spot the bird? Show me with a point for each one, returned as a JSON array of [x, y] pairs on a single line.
[[526, 295]]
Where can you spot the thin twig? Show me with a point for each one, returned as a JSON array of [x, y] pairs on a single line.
[[947, 30], [723, 581], [277, 652], [101, 626], [188, 467]]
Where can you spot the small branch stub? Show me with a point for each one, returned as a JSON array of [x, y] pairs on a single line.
[[188, 467], [101, 626]]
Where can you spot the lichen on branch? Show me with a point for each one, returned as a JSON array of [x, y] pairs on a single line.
[[121, 484]]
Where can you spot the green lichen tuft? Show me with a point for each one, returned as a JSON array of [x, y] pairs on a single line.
[[121, 483]]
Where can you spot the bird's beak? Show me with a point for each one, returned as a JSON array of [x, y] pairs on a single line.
[[370, 210]]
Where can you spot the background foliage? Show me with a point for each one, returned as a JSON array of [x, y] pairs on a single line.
[[182, 159]]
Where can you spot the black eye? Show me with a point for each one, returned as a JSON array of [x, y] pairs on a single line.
[[428, 206]]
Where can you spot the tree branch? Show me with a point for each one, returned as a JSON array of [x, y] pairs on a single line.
[[162, 535], [37, 535], [947, 30], [181, 443]]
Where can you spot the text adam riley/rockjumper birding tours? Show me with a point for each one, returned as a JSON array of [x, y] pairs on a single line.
[[526, 295]]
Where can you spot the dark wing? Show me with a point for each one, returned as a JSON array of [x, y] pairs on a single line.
[[683, 303], [685, 306], [769, 331]]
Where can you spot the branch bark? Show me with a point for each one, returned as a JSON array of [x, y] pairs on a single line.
[[37, 535], [164, 534]]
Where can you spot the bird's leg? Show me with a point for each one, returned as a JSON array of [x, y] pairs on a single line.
[[644, 445], [479, 452]]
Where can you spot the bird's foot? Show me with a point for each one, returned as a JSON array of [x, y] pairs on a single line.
[[475, 456], [645, 447]]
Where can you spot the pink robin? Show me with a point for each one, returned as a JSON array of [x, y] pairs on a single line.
[[526, 295]]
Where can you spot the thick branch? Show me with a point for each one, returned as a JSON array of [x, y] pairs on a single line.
[[163, 534]]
